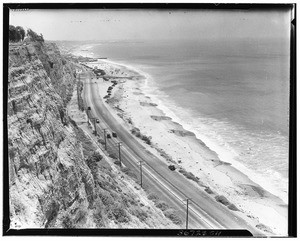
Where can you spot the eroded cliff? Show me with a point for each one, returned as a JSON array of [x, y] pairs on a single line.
[[57, 178]]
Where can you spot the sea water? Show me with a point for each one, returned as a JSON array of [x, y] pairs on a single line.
[[234, 95]]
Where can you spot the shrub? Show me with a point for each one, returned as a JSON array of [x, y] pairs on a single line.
[[98, 217], [96, 156], [73, 123], [67, 223], [14, 34], [81, 215], [21, 31], [152, 197], [162, 205], [118, 163], [113, 156], [208, 190], [34, 36], [104, 164], [264, 228], [129, 172], [171, 214], [189, 175], [128, 199], [102, 142], [222, 199], [233, 207], [99, 214], [136, 131], [87, 144], [106, 198], [139, 213], [51, 212], [146, 139], [119, 213]]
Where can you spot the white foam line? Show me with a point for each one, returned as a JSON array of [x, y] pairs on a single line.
[[223, 155]]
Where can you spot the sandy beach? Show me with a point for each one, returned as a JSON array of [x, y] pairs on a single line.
[[123, 90]]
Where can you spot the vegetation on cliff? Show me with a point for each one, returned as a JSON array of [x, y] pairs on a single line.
[[18, 33]]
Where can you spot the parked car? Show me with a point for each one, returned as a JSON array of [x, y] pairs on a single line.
[[108, 136], [114, 134]]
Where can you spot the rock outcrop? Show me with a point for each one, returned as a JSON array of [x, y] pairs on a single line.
[[55, 180]]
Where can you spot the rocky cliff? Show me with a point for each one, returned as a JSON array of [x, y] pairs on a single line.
[[56, 177]]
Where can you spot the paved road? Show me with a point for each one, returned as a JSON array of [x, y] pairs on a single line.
[[171, 186]]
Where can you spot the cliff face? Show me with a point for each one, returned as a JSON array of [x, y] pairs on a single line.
[[43, 149], [56, 179]]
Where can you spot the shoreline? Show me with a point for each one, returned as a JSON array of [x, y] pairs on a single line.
[[222, 153], [217, 174], [202, 139]]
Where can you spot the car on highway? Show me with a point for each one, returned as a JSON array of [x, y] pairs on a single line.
[[108, 136], [114, 134]]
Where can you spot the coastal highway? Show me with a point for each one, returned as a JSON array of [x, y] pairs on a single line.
[[170, 186]]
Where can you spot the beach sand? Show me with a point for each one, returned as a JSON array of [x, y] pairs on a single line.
[[176, 146]]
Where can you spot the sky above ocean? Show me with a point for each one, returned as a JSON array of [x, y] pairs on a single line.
[[151, 24]]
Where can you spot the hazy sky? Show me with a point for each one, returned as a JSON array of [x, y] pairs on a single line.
[[152, 24]]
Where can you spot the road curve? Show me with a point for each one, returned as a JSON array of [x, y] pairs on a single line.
[[170, 186]]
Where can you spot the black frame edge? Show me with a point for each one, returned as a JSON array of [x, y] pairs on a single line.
[[5, 218]]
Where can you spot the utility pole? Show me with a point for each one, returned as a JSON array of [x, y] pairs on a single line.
[[187, 212], [141, 173], [119, 144], [94, 122], [88, 113], [105, 138]]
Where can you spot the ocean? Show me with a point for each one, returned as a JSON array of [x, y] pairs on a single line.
[[234, 95]]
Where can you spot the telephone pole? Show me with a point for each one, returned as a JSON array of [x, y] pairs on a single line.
[[88, 113], [119, 144], [141, 173], [105, 138], [94, 122], [187, 213]]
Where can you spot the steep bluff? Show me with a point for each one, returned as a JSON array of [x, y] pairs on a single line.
[[56, 177], [43, 149]]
